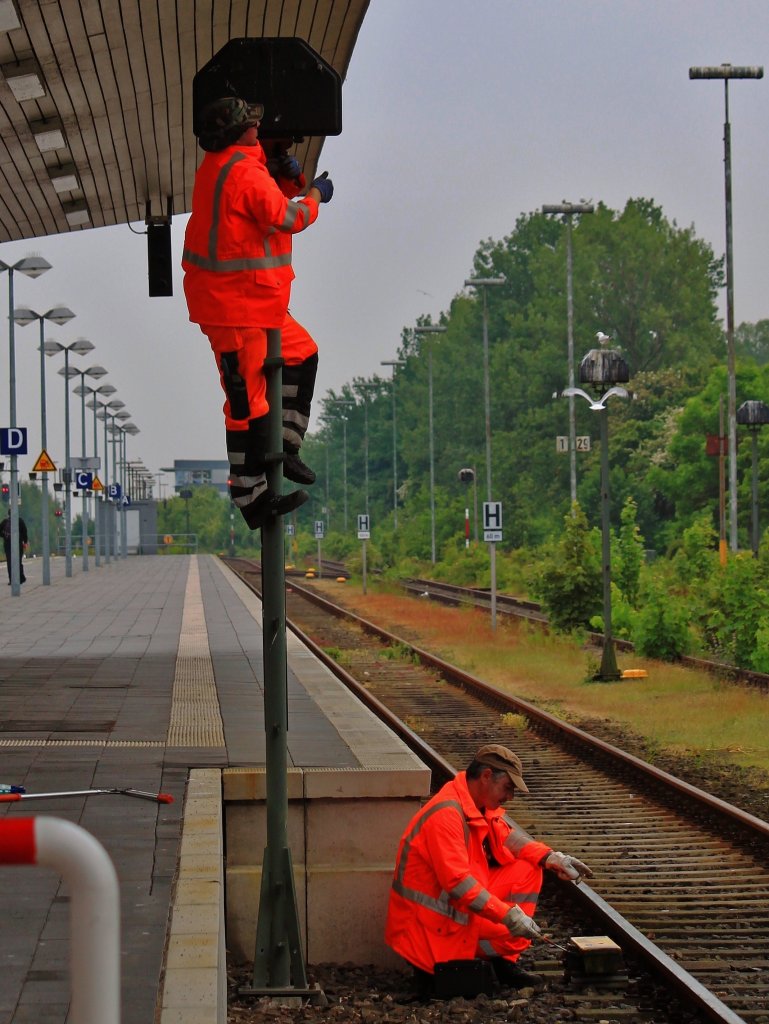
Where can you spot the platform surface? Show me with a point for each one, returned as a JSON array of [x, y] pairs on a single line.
[[127, 676]]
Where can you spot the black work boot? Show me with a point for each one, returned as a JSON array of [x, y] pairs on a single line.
[[510, 974], [296, 470], [270, 504]]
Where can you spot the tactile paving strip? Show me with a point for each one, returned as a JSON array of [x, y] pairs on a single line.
[[195, 718], [81, 743]]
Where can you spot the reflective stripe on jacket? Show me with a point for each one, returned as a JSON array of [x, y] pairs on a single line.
[[439, 890], [237, 246]]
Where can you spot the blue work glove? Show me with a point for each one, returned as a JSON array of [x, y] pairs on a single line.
[[289, 167], [325, 186]]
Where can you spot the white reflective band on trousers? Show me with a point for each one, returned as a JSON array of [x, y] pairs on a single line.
[[88, 872]]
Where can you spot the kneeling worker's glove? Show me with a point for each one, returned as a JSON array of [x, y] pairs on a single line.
[[325, 186], [518, 923], [568, 868]]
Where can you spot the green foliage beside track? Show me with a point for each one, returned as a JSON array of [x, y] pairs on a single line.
[[638, 277], [652, 286]]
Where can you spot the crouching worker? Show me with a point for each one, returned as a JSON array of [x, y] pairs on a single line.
[[467, 879], [237, 281]]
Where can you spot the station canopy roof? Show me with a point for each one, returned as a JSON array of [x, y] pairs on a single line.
[[96, 100]]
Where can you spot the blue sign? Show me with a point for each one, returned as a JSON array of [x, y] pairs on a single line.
[[13, 440], [114, 491], [83, 481]]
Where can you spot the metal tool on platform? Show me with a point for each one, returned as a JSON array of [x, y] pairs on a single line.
[[160, 798], [551, 942]]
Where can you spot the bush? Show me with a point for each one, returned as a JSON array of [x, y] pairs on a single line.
[[697, 558], [661, 624], [736, 605]]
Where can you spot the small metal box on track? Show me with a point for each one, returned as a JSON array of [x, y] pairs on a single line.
[[594, 960]]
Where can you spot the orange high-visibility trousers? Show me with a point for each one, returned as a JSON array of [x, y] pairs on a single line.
[[518, 883], [240, 353]]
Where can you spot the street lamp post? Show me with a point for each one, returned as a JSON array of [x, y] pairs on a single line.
[[96, 372], [98, 518], [726, 72], [395, 363], [604, 369], [431, 329], [117, 510], [568, 210], [58, 315], [365, 388], [484, 283], [132, 429], [109, 409], [754, 415], [79, 347], [30, 266], [345, 402]]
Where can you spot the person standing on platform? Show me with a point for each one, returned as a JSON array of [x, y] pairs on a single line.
[[467, 878], [237, 281], [5, 533]]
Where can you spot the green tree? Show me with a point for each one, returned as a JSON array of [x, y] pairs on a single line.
[[751, 341], [629, 554], [649, 284], [638, 277], [568, 582]]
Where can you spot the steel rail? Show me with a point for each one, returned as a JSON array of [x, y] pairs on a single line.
[[628, 936], [544, 718], [451, 593]]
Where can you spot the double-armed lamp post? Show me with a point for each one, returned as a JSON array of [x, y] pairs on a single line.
[[81, 390], [30, 266], [99, 520], [79, 347], [604, 370], [58, 315]]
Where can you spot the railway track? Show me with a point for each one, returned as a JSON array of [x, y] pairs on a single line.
[[681, 878], [449, 593]]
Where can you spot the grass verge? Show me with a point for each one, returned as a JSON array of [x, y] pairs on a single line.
[[674, 709]]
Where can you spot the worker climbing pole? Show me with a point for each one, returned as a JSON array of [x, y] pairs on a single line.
[[246, 208]]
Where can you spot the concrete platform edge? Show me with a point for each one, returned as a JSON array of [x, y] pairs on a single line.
[[194, 984]]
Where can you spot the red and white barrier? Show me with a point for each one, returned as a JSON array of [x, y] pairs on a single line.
[[84, 865]]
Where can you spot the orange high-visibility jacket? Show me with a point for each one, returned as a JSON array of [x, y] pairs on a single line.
[[237, 246], [439, 888]]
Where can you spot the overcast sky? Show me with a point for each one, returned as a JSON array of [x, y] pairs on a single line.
[[459, 115]]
